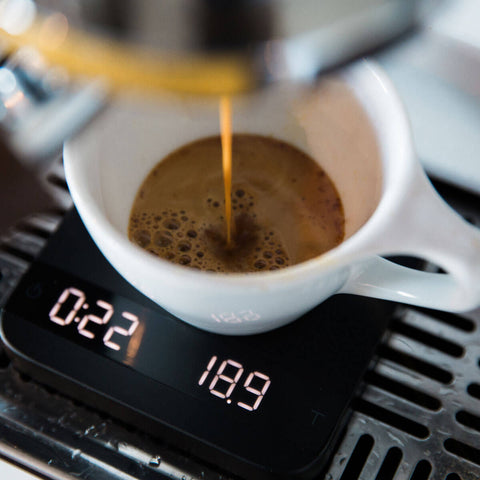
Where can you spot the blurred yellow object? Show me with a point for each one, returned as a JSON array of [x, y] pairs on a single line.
[[130, 67]]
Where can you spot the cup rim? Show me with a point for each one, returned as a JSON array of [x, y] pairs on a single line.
[[359, 78]]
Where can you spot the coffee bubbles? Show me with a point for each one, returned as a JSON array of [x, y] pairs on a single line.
[[285, 209], [188, 241]]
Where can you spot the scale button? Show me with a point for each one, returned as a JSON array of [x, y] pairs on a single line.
[[34, 291], [316, 416]]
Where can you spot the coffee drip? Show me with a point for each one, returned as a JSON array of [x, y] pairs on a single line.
[[226, 136]]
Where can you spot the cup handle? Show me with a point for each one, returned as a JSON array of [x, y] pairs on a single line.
[[424, 226]]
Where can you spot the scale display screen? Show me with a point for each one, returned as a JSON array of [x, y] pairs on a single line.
[[263, 406]]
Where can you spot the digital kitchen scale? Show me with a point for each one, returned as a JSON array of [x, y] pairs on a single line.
[[260, 407]]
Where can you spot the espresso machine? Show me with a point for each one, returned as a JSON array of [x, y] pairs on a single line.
[[62, 59], [379, 392]]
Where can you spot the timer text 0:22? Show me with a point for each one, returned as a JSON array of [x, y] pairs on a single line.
[[61, 317]]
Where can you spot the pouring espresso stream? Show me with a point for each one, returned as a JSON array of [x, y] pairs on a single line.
[[226, 135], [280, 208]]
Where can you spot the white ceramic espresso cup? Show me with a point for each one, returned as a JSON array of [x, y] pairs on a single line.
[[390, 206]]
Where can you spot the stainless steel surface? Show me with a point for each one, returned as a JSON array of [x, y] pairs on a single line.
[[415, 419], [41, 105], [443, 428]]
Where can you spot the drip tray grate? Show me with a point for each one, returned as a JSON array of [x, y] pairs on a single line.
[[417, 417]]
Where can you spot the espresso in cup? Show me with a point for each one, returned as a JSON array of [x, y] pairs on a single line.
[[285, 208]]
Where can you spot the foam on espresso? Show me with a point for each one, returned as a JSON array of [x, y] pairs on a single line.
[[285, 208]]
